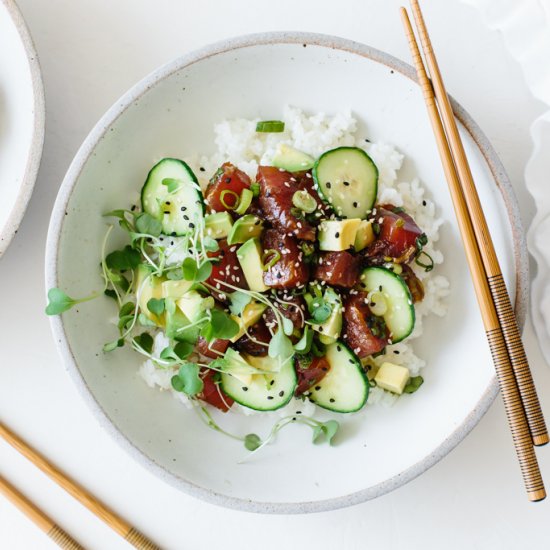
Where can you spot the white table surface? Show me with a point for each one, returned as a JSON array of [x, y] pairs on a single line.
[[91, 51]]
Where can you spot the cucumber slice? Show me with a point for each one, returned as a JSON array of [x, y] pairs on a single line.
[[400, 315], [178, 202], [265, 392], [347, 178], [345, 387]]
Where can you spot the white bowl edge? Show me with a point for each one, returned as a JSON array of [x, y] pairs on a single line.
[[9, 230]]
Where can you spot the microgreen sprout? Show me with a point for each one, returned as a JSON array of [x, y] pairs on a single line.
[[58, 301]]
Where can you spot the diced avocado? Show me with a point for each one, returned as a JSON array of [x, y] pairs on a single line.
[[250, 258], [337, 235], [292, 160], [149, 286], [245, 228], [251, 314], [237, 366], [330, 330], [364, 236], [392, 377], [175, 289], [175, 320], [191, 304], [218, 226]]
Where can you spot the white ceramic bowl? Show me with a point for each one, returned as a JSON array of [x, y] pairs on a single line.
[[171, 113], [21, 119]]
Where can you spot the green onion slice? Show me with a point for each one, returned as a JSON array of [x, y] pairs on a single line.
[[270, 257], [236, 198], [304, 201], [255, 188], [245, 200], [422, 263], [270, 126]]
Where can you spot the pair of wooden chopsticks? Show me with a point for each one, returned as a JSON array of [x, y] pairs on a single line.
[[56, 533], [518, 391]]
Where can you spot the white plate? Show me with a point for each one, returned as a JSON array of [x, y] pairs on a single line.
[[21, 119], [171, 113]]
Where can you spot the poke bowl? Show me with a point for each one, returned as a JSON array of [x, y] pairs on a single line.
[[280, 277]]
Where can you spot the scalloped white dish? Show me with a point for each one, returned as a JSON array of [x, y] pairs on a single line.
[[21, 119], [171, 113]]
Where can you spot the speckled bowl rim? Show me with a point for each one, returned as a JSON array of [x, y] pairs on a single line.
[[9, 230], [56, 226]]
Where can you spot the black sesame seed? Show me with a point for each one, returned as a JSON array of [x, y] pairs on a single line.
[[257, 222], [133, 207], [338, 348], [227, 180], [294, 419], [167, 211], [337, 234], [183, 208], [346, 183], [328, 184], [331, 400], [202, 169], [423, 203], [317, 388], [173, 234], [192, 225], [270, 397], [396, 351], [245, 388], [272, 382], [281, 393], [279, 275], [186, 217], [351, 361], [298, 412]]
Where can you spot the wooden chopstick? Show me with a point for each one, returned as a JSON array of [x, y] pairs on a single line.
[[45, 523], [505, 313], [512, 401], [115, 522]]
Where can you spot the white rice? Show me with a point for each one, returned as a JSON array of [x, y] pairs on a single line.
[[238, 142]]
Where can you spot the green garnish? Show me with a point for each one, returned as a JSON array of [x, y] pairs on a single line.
[[245, 200], [123, 260], [273, 126], [145, 341], [413, 384], [188, 380], [156, 305], [304, 201], [255, 188], [428, 264], [58, 301], [270, 257], [236, 198]]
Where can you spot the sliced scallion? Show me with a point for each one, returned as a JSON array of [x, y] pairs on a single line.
[[304, 201], [270, 126], [236, 199], [270, 258], [245, 200]]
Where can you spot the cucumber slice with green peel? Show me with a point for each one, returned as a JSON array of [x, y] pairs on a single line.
[[264, 392], [345, 387], [292, 160], [400, 315], [171, 194], [347, 179]]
